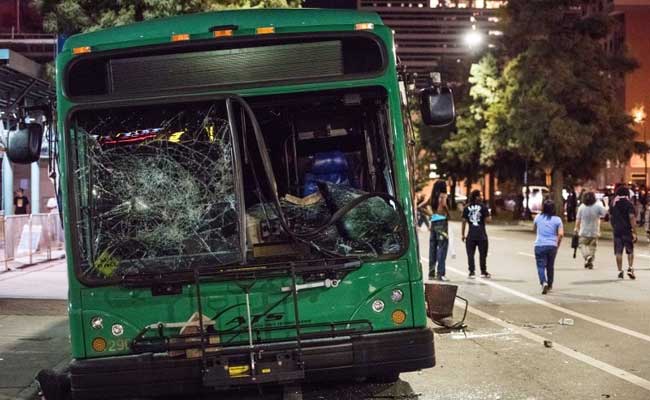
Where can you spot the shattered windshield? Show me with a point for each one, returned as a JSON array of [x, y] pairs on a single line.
[[156, 184], [160, 188]]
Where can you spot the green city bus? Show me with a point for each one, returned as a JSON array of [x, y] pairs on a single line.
[[237, 203]]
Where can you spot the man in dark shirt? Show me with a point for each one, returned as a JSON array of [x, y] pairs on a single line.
[[622, 219], [20, 202], [475, 214]]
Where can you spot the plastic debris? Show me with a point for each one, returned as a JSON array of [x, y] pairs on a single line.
[[566, 321]]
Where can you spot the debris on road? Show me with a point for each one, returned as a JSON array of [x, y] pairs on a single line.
[[548, 344], [566, 321]]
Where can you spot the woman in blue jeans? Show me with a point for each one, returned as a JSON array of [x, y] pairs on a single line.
[[549, 236], [439, 239]]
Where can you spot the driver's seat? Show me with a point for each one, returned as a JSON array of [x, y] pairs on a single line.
[[331, 166]]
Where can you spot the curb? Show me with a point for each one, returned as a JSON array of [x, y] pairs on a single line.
[[32, 391], [32, 264]]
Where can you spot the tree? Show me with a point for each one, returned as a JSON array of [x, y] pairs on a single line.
[[73, 16], [461, 154], [557, 104]]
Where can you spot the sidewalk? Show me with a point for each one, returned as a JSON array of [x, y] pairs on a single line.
[[41, 281], [33, 326]]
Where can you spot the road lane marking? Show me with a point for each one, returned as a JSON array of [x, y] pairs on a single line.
[[461, 336], [603, 366], [521, 253], [552, 306]]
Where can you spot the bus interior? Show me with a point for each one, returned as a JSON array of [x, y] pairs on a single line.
[[313, 172]]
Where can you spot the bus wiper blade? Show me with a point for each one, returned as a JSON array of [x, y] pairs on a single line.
[[157, 279], [283, 268]]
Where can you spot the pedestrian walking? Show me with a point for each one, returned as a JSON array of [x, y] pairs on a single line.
[[571, 205], [439, 228], [20, 202], [643, 204], [621, 216], [550, 231], [475, 214], [588, 227]]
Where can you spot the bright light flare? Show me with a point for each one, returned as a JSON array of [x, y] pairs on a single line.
[[473, 39], [638, 113]]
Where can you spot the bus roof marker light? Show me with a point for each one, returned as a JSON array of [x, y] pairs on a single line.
[[265, 30], [378, 306], [81, 50], [222, 33], [364, 26], [179, 37], [397, 295]]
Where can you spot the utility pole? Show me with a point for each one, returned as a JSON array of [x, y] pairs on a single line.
[[17, 16], [638, 114], [645, 155]]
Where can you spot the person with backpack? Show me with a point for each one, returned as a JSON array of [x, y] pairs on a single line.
[[550, 231]]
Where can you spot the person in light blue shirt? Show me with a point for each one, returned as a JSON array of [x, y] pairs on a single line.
[[550, 231]]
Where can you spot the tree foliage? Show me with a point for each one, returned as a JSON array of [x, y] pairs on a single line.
[[546, 97], [558, 104], [462, 153], [74, 16]]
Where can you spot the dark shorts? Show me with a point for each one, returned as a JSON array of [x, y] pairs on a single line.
[[623, 242]]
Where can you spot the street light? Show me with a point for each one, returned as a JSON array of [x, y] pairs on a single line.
[[473, 38], [638, 114]]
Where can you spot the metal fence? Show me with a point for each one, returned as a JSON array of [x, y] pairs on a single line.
[[29, 239]]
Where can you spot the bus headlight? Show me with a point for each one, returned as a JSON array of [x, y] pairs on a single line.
[[378, 306], [97, 322], [397, 295], [117, 330]]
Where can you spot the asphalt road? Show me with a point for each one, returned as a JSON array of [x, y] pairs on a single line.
[[605, 354]]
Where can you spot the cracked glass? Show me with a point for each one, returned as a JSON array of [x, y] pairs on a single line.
[[156, 192], [156, 189]]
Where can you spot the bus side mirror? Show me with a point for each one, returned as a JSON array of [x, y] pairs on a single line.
[[24, 144], [437, 106]]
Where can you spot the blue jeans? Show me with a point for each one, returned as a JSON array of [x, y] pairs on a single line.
[[545, 258], [438, 245]]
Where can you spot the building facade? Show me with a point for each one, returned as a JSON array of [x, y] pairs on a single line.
[[635, 35], [438, 35]]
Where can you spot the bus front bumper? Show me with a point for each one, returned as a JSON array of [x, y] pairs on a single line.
[[149, 375]]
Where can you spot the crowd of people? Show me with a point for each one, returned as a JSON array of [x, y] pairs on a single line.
[[623, 209]]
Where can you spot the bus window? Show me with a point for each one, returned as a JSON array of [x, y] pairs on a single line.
[[158, 187]]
